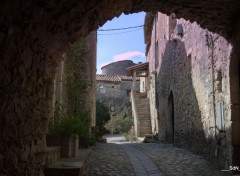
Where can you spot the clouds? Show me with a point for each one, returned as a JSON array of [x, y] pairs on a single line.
[[135, 56]]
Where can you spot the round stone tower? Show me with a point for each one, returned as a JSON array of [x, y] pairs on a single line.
[[117, 68]]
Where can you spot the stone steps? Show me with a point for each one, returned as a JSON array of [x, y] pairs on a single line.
[[52, 154], [75, 166], [143, 133], [144, 130], [143, 110], [142, 106], [141, 95], [144, 116], [142, 102], [144, 119], [144, 123]]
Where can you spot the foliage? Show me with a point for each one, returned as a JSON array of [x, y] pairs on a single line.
[[65, 124], [102, 116], [72, 116], [130, 136], [75, 83], [122, 123]]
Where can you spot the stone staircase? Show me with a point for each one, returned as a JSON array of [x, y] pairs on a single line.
[[63, 157], [75, 166], [143, 111]]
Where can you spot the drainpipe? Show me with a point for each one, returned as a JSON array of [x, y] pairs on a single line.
[[155, 62], [210, 43], [156, 50]]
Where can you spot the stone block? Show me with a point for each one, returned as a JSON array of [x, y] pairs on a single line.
[[52, 155], [68, 143]]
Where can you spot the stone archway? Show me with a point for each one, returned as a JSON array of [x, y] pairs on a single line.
[[34, 33]]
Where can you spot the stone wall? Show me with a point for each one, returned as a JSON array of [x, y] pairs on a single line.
[[114, 93], [188, 68], [117, 68], [84, 68], [235, 95], [90, 69]]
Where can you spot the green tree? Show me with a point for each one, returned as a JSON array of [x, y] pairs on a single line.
[[102, 116], [72, 116], [122, 123]]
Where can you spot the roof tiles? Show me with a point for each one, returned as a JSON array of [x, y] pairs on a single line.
[[114, 78]]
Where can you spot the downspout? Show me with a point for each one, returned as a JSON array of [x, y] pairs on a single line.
[[155, 73], [210, 43], [155, 62]]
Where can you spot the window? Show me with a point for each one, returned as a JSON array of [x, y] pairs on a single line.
[[102, 89], [219, 116], [128, 92]]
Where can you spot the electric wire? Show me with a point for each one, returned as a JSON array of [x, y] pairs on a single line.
[[118, 29], [120, 32]]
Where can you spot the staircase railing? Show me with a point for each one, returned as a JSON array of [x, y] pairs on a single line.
[[134, 111]]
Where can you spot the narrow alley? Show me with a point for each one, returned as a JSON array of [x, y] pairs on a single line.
[[146, 159]]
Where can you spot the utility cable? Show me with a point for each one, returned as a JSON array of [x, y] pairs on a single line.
[[120, 32], [118, 29]]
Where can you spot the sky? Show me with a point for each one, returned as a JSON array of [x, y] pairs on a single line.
[[119, 45]]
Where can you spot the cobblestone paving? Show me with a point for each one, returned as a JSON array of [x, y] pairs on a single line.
[[173, 161], [109, 160], [147, 160]]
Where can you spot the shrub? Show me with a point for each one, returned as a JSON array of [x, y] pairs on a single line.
[[63, 123], [75, 118], [122, 123], [102, 116]]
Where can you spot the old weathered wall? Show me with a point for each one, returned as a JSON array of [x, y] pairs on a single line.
[[235, 96], [186, 72], [90, 69], [114, 93], [83, 66], [58, 85], [34, 33]]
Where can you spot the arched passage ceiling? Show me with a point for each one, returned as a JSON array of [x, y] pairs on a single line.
[[55, 23]]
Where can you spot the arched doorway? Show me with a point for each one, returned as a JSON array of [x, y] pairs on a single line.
[[171, 119]]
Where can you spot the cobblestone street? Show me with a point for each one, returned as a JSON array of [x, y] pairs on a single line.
[[140, 159]]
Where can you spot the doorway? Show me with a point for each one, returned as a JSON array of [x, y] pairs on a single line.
[[171, 130]]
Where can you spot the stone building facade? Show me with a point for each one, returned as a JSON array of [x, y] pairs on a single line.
[[114, 91], [189, 88], [114, 86]]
